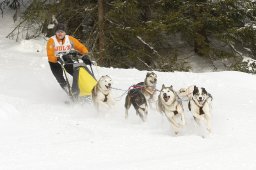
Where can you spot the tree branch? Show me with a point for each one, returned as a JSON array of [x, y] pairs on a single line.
[[149, 46], [8, 36]]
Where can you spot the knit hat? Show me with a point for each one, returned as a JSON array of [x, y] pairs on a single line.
[[60, 27]]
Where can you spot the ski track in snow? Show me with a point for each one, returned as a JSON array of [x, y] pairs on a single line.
[[38, 131]]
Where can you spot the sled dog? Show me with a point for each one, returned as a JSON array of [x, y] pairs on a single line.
[[169, 104], [136, 98], [200, 105], [141, 95], [186, 92], [148, 88], [101, 93]]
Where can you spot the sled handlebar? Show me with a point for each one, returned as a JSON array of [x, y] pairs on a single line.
[[74, 56]]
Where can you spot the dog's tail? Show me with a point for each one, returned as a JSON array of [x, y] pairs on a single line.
[[127, 104]]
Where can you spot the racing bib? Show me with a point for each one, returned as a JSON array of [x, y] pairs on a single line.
[[61, 49]]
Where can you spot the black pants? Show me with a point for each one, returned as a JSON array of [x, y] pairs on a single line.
[[58, 72]]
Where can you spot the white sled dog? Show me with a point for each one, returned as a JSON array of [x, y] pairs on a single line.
[[200, 104], [141, 95], [169, 104], [101, 93], [186, 92]]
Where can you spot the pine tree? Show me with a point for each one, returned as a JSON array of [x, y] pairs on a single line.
[[140, 33]]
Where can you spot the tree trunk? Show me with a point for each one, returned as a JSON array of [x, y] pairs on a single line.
[[101, 28]]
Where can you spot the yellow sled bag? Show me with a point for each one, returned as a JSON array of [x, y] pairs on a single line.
[[83, 80]]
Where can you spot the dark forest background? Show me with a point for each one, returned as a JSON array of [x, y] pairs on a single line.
[[159, 35]]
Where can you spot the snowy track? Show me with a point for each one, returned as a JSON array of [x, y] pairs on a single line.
[[38, 131]]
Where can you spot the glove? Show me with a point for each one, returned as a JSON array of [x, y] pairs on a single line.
[[67, 58], [60, 61], [86, 60]]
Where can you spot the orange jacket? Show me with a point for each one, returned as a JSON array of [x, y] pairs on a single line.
[[74, 42]]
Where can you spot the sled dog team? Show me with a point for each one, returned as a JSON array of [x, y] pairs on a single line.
[[168, 102]]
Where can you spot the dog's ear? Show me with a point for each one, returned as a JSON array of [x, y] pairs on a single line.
[[195, 91], [108, 77], [204, 91], [171, 87], [148, 73], [102, 78], [163, 86]]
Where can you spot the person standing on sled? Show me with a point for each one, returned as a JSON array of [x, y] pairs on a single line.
[[59, 45]]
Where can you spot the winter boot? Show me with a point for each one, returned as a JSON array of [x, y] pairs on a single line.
[[66, 89]]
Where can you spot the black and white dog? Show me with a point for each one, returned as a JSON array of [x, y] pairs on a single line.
[[199, 104], [169, 104], [141, 95], [101, 93]]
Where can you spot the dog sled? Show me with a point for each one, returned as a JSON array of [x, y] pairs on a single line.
[[83, 79]]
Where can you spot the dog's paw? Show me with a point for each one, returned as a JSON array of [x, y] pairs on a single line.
[[182, 123], [209, 135], [209, 131], [126, 115]]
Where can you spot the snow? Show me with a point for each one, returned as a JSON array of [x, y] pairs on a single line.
[[38, 131]]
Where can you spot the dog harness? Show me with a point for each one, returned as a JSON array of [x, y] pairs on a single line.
[[175, 111], [151, 92], [105, 95], [178, 100], [106, 98], [201, 112]]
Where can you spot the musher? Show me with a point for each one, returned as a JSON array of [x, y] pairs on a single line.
[[59, 45]]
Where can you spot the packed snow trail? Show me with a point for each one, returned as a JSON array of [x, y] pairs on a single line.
[[38, 131]]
